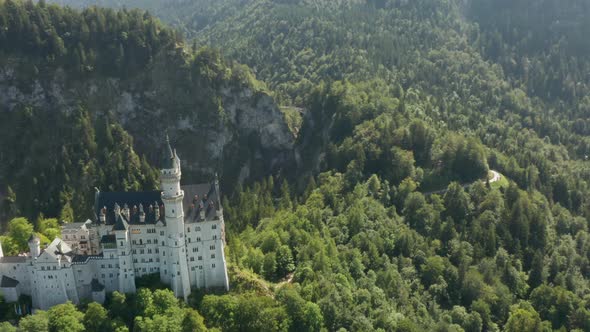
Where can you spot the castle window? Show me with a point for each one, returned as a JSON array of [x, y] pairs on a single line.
[[42, 268], [157, 260], [134, 251], [172, 210], [141, 251], [213, 265], [165, 271], [151, 260], [200, 258], [102, 266], [188, 230], [198, 229], [135, 260], [161, 233], [212, 247], [110, 266], [140, 241], [214, 227], [214, 237], [192, 259], [195, 249], [149, 251], [213, 256], [134, 242], [122, 253], [102, 275], [157, 251], [200, 267], [189, 240], [192, 268], [198, 239]]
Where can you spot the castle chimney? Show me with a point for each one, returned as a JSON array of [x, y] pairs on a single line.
[[117, 210], [34, 246], [202, 211], [126, 211], [102, 217], [157, 211], [141, 214]]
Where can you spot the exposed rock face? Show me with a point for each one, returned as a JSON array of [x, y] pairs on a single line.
[[217, 123]]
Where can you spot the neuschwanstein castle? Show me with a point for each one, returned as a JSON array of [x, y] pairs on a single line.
[[177, 232]]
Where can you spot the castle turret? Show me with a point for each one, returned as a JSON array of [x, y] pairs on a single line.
[[126, 212], [172, 196], [126, 275], [141, 214], [34, 246]]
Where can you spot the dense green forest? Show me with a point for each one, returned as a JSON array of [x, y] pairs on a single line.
[[390, 222], [92, 93]]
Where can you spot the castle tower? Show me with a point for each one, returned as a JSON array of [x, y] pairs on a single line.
[[34, 246], [126, 275], [176, 265]]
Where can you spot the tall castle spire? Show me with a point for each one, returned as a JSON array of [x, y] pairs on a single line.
[[174, 245], [169, 158]]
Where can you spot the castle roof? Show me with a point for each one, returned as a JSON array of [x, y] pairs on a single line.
[[58, 248], [132, 199], [7, 282], [168, 160], [84, 258], [197, 198], [200, 198], [108, 239], [73, 225], [120, 224], [13, 259], [34, 237]]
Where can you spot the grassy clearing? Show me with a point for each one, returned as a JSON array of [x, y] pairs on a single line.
[[502, 183]]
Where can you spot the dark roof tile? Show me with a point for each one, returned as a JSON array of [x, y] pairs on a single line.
[[7, 282]]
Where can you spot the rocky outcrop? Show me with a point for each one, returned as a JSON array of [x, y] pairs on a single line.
[[217, 123]]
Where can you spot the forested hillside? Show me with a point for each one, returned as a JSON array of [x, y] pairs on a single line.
[[86, 98], [400, 109]]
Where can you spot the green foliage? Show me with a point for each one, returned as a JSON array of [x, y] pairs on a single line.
[[65, 317], [406, 107], [19, 230], [81, 41], [7, 327]]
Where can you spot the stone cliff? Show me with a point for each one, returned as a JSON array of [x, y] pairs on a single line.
[[219, 118]]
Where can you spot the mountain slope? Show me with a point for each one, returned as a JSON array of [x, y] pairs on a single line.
[[144, 81]]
